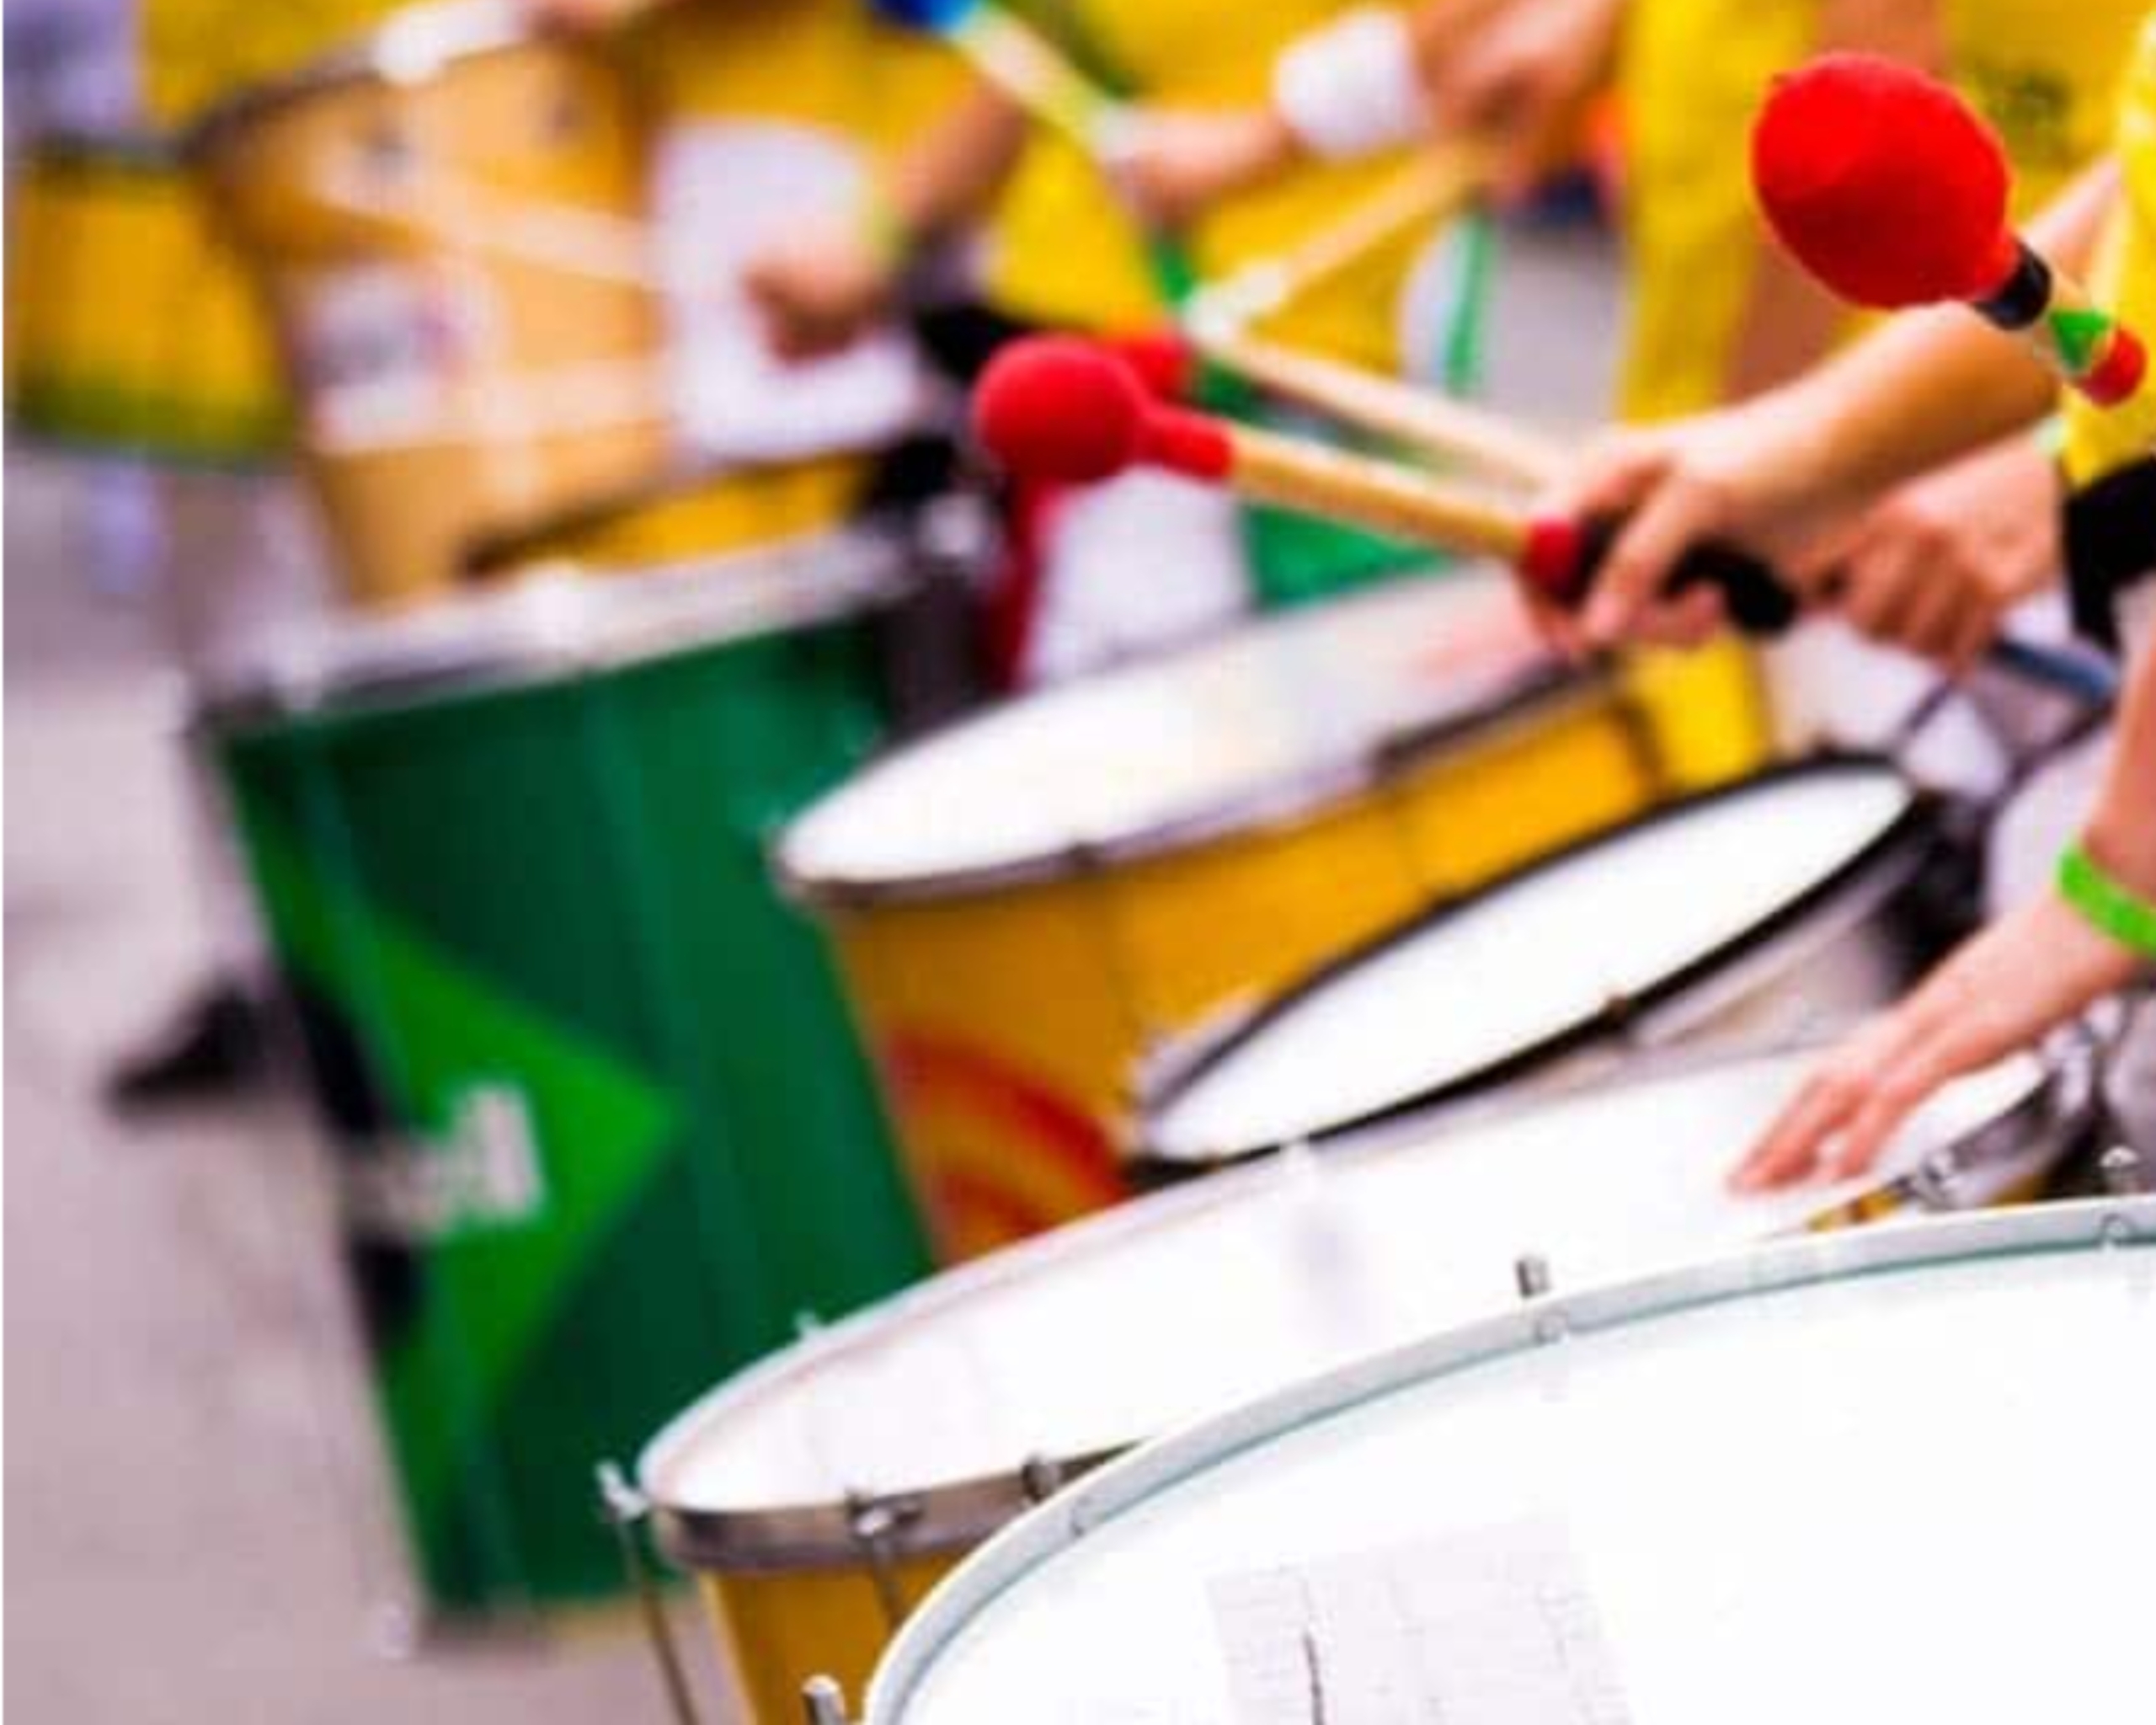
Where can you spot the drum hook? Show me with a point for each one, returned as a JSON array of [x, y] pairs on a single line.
[[874, 1523], [624, 1507]]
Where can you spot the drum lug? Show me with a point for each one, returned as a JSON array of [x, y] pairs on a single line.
[[2123, 1172], [823, 1702], [875, 1523], [1531, 1275], [1040, 1477]]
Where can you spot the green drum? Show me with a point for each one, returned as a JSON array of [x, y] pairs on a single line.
[[603, 1130]]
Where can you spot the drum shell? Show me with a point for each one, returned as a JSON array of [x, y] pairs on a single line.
[[492, 437], [536, 897], [1006, 1017], [100, 230]]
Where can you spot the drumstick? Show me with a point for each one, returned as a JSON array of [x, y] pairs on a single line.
[[1060, 408], [1885, 185], [1020, 62], [1423, 418], [1429, 190]]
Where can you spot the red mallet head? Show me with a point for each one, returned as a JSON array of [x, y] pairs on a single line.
[[1055, 407], [1883, 183]]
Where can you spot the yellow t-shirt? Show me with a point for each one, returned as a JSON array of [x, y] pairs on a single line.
[[2124, 280], [197, 52], [1693, 74], [1063, 251]]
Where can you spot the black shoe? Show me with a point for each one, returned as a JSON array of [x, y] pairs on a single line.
[[216, 1047]]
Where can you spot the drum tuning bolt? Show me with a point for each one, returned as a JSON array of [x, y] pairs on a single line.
[[2123, 1173], [1531, 1275], [823, 1702]]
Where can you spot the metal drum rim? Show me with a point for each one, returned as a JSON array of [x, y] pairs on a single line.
[[1548, 684], [408, 47], [1143, 1474], [1868, 875], [554, 622], [954, 1515]]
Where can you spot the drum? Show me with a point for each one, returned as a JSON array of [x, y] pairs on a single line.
[[443, 218], [1024, 902], [130, 331], [1756, 912], [678, 520], [602, 1125], [1750, 1488], [817, 1495]]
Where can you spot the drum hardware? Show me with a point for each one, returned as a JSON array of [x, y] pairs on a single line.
[[1531, 1275], [2123, 1171], [876, 1524], [626, 1509], [823, 1702]]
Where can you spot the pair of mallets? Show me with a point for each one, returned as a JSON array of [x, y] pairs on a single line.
[[1848, 155]]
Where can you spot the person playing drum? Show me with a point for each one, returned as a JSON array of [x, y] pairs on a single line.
[[1784, 473]]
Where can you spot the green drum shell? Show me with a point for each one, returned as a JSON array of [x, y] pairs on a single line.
[[603, 1127]]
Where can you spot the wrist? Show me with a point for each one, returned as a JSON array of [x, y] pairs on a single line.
[[885, 230], [1351, 88], [2107, 899]]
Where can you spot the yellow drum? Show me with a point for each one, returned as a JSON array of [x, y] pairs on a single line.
[[679, 519], [1024, 903], [444, 218], [130, 331]]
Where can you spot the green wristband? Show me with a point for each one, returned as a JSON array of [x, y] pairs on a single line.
[[2106, 904]]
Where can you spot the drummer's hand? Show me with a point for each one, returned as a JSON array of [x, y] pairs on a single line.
[[1517, 76], [820, 289], [2024, 976], [1933, 568], [1173, 164], [1737, 475]]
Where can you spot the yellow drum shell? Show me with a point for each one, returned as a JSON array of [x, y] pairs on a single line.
[[675, 522], [1007, 1013], [776, 1628], [455, 265], [130, 329]]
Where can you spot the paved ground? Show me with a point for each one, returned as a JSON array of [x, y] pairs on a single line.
[[187, 1473]]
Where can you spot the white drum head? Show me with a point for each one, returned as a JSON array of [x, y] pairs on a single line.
[[1901, 1477], [1532, 959], [1229, 728], [1116, 1330]]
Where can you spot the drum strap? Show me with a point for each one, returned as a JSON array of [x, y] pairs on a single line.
[[2111, 546]]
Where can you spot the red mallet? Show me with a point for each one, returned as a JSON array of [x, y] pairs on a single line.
[[1884, 184], [1060, 407]]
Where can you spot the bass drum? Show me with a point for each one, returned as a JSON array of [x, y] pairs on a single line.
[[1742, 1489], [818, 1496]]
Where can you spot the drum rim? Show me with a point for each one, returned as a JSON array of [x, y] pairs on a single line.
[[409, 47], [1548, 683], [1873, 871], [1146, 1474], [555, 622], [955, 1514]]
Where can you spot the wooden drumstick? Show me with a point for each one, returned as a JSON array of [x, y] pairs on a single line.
[[1018, 60], [1429, 190], [1422, 419], [1889, 189], [1060, 408]]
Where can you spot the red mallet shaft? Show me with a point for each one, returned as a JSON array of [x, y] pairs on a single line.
[[1060, 407], [1885, 185]]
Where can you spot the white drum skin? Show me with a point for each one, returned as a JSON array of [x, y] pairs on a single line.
[[1899, 1475], [1217, 1292]]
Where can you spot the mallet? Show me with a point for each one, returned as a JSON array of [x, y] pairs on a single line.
[[1061, 408], [1884, 184]]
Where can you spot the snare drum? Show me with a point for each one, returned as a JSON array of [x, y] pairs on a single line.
[[444, 218], [130, 331], [1024, 901], [601, 1123], [818, 1495], [1760, 911], [1774, 1487]]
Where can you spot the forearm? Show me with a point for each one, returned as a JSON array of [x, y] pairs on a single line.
[[2122, 831], [946, 182]]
